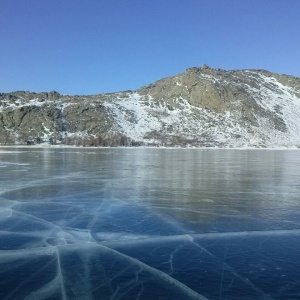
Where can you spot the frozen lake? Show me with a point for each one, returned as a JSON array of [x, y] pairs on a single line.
[[149, 224]]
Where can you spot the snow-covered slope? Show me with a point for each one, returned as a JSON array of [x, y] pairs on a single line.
[[201, 107]]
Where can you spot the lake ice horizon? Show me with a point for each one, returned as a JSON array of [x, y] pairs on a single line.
[[149, 223]]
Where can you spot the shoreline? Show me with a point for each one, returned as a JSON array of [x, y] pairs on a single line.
[[47, 146]]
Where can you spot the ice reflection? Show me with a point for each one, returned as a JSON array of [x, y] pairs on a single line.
[[149, 224]]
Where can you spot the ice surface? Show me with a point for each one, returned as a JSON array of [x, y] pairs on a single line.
[[149, 224]]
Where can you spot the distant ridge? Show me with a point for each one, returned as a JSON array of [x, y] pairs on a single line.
[[202, 107]]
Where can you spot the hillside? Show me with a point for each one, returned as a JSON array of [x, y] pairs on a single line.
[[201, 107]]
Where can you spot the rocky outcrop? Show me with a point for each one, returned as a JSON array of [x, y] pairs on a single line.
[[200, 107]]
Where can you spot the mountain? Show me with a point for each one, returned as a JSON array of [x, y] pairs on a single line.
[[202, 107]]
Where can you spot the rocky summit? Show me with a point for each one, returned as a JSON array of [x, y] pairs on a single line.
[[202, 107]]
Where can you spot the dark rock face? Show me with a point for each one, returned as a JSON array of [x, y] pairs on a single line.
[[201, 107]]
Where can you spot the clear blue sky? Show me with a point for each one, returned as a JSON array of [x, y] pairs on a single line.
[[96, 46]]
